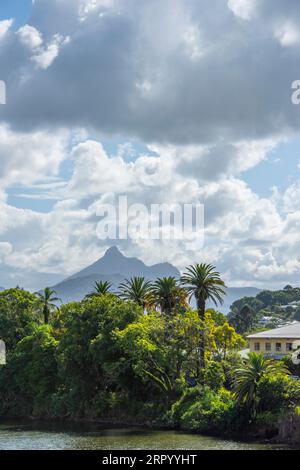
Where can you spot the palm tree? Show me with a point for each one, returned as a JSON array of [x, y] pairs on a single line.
[[246, 378], [46, 299], [100, 288], [136, 289], [204, 283], [167, 294]]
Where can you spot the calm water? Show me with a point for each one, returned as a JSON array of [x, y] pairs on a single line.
[[35, 436]]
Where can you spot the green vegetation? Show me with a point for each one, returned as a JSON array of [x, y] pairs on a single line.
[[46, 300], [100, 288], [143, 356], [136, 289], [204, 284], [269, 309]]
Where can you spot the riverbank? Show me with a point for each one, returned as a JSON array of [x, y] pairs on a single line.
[[254, 436]]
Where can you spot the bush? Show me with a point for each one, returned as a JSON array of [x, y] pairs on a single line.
[[182, 405], [211, 413], [30, 377], [214, 376], [278, 392]]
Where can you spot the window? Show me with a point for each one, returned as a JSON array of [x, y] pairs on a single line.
[[256, 346], [268, 347], [278, 347], [289, 346]]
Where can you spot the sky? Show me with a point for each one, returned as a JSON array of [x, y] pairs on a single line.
[[167, 101]]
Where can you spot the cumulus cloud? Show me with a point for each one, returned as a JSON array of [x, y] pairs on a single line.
[[30, 36], [26, 158], [287, 33], [188, 86], [182, 77], [244, 9], [234, 214], [5, 26]]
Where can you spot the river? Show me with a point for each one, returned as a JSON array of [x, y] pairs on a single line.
[[48, 436]]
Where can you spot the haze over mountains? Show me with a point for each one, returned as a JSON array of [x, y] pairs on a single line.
[[115, 268]]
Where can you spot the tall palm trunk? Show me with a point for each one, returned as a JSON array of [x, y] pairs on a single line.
[[46, 314], [201, 314]]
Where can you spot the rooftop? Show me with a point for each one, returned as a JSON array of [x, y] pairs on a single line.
[[288, 331]]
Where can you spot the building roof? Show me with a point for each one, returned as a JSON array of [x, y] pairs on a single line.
[[244, 353], [291, 331]]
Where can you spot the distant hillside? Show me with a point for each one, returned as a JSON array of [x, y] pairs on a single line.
[[268, 309], [113, 267], [2, 289]]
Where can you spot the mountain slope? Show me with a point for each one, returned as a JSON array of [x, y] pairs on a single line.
[[113, 267], [75, 289], [114, 262]]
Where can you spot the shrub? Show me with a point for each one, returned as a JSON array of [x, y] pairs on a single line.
[[211, 413], [278, 392], [214, 376]]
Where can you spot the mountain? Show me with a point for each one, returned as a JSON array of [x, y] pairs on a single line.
[[113, 267], [114, 262], [2, 289]]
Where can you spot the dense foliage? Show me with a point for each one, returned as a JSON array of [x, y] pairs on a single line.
[[269, 309], [122, 360]]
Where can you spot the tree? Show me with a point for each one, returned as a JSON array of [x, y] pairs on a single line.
[[90, 362], [227, 339], [167, 295], [162, 361], [17, 316], [100, 288], [30, 377], [46, 299], [136, 289], [244, 320], [246, 379], [204, 283]]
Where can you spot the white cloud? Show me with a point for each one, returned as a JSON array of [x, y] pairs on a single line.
[[88, 6], [26, 158], [210, 105], [5, 26], [45, 57], [30, 36], [287, 33], [244, 9]]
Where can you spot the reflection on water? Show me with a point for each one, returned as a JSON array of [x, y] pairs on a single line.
[[44, 436]]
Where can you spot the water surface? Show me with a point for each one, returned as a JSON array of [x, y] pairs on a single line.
[[48, 436]]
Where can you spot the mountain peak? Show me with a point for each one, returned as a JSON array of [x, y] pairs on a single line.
[[115, 263], [113, 251]]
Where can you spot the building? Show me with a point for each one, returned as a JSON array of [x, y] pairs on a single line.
[[278, 342]]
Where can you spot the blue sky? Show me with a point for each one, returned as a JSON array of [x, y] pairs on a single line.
[[18, 9], [280, 169], [166, 102]]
